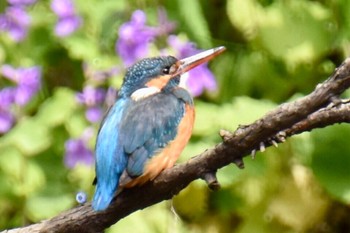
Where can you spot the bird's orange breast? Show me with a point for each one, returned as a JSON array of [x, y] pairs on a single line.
[[167, 157]]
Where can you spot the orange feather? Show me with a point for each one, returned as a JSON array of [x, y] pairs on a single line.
[[159, 82], [168, 156]]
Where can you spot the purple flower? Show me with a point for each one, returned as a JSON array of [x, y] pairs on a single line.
[[200, 78], [134, 38], [63, 8], [6, 121], [29, 77], [7, 97], [165, 26], [92, 98], [15, 21], [27, 80], [21, 2], [111, 97], [23, 95], [67, 25], [99, 75], [77, 152], [68, 20], [94, 114], [183, 49]]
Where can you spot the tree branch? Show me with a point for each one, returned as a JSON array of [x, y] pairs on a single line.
[[320, 108]]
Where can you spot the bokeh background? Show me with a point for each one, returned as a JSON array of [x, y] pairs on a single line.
[[62, 62]]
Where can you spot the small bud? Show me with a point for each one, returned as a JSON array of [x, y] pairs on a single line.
[[262, 147], [274, 143], [81, 197], [253, 153], [239, 162]]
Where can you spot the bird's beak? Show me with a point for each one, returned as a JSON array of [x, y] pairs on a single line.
[[189, 63]]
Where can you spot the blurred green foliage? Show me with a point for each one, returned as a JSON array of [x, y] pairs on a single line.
[[276, 50]]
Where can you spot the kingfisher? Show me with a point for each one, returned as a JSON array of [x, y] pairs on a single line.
[[147, 128]]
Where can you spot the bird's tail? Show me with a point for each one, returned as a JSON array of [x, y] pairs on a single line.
[[103, 197], [107, 181]]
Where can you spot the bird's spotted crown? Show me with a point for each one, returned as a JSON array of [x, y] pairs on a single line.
[[143, 71]]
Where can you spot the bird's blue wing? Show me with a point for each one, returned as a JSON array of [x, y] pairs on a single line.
[[131, 133], [111, 159], [148, 126]]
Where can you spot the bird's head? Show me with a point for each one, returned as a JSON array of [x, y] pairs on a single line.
[[154, 74]]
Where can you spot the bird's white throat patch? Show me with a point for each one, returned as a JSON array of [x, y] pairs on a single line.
[[144, 92], [183, 81]]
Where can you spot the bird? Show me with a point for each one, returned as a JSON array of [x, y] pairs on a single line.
[[147, 128]]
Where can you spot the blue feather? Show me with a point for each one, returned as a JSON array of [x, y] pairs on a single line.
[[148, 126], [111, 159]]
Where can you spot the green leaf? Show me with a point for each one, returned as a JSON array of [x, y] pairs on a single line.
[[210, 118], [291, 30], [76, 124], [196, 147], [98, 11], [192, 202], [331, 162], [231, 174], [33, 135], [245, 15], [192, 14], [26, 176], [81, 48], [43, 207], [57, 109], [10, 162], [33, 179], [30, 136], [295, 31], [154, 219]]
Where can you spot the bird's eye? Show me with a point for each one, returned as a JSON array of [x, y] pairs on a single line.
[[169, 69], [166, 70]]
